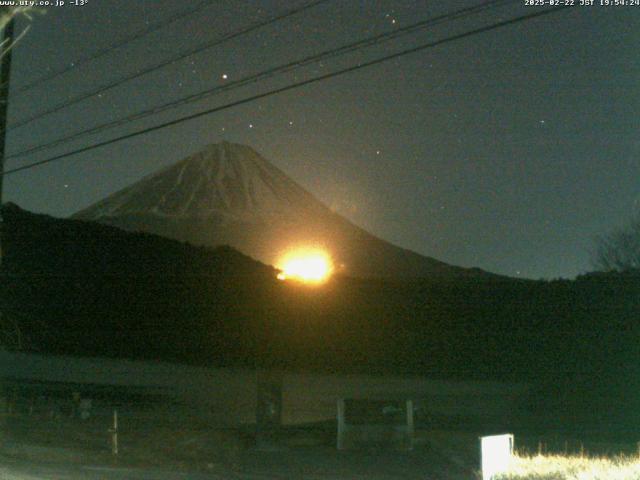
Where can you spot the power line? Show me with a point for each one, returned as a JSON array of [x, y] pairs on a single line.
[[291, 87], [326, 54], [165, 63], [102, 52]]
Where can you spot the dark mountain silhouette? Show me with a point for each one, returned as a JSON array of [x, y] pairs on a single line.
[[228, 194], [82, 288]]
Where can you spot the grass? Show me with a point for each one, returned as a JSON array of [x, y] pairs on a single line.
[[572, 467], [153, 444]]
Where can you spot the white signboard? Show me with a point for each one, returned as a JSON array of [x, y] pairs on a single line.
[[496, 452]]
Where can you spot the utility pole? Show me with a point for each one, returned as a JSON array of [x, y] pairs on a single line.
[[5, 75], [5, 70]]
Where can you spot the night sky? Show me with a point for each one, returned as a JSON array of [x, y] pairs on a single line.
[[509, 150]]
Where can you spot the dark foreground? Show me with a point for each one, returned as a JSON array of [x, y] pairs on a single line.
[[426, 461]]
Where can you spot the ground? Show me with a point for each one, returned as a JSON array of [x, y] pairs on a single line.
[[308, 455], [309, 463]]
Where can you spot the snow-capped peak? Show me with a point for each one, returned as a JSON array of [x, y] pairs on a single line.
[[224, 179]]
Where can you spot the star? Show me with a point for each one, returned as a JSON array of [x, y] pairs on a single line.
[[251, 125], [224, 76]]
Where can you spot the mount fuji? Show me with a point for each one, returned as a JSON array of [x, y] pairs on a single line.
[[228, 194]]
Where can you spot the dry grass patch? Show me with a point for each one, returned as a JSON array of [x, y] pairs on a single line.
[[562, 467]]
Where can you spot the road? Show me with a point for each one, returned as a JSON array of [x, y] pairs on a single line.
[[298, 464], [23, 471]]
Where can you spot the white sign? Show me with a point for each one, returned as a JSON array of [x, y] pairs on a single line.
[[496, 452]]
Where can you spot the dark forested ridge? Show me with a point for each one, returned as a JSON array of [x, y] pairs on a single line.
[[82, 288], [86, 289]]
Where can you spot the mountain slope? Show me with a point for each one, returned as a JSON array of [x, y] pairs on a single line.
[[227, 194]]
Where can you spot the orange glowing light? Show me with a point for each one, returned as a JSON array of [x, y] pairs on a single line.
[[309, 266]]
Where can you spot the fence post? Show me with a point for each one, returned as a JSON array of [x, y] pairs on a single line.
[[4, 412], [410, 424], [341, 424], [114, 433], [269, 408]]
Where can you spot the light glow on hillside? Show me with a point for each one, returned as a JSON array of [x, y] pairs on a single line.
[[306, 265]]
